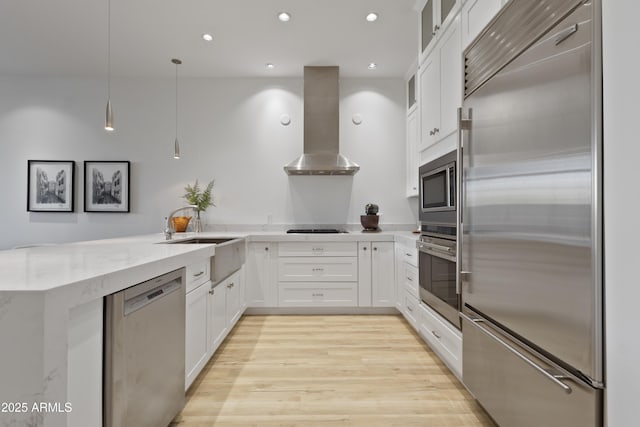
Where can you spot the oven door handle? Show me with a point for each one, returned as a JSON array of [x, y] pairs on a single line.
[[425, 245], [436, 253]]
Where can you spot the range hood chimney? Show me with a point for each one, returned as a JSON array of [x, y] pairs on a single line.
[[321, 130]]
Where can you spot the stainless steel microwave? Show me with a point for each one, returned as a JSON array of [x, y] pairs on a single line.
[[438, 184]]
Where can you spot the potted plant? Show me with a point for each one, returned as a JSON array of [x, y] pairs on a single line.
[[200, 198]]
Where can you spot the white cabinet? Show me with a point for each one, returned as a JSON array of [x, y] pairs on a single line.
[[196, 346], [196, 318], [225, 308], [435, 17], [475, 15], [317, 269], [413, 158], [302, 294], [440, 81], [376, 274], [217, 317], [234, 298], [317, 274], [444, 339], [261, 275]]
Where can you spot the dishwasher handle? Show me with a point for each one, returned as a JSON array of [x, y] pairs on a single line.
[[152, 291]]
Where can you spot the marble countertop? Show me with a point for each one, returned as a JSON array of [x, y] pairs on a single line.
[[49, 267]]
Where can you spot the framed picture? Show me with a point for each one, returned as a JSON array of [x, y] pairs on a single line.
[[50, 185], [106, 186]]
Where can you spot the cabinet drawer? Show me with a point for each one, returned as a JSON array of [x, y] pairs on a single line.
[[410, 280], [410, 306], [410, 256], [327, 269], [445, 340], [317, 295], [318, 249], [197, 273]]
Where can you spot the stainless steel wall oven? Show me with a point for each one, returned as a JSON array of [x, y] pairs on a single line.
[[438, 241]]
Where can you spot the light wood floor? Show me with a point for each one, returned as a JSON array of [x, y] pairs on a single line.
[[327, 371]]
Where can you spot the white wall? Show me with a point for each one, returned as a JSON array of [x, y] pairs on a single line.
[[229, 131], [622, 205]]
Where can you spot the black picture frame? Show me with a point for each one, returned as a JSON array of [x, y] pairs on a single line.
[[106, 186], [50, 185]]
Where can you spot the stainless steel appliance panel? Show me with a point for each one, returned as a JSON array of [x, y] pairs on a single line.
[[439, 177], [530, 224], [144, 353], [519, 389], [437, 276]]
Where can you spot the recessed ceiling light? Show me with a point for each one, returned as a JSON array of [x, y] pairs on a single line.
[[269, 66], [207, 37], [372, 66], [284, 16], [372, 16]]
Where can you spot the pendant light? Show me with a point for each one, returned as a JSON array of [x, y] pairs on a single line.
[[108, 122], [176, 144]]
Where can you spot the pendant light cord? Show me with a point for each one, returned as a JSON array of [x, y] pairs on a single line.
[[109, 49], [176, 100]]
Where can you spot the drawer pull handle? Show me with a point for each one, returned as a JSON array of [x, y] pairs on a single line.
[[317, 249], [410, 309], [409, 279], [266, 248], [230, 285], [198, 274], [408, 254], [319, 270], [550, 374], [435, 334], [317, 295], [375, 248], [211, 291]]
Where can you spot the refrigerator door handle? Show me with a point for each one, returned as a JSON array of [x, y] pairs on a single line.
[[551, 374], [463, 125]]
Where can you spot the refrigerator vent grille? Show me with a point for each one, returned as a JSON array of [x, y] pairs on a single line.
[[513, 30]]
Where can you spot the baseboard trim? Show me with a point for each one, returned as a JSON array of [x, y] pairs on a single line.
[[258, 311]]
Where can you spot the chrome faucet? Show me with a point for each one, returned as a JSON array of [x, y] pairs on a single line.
[[169, 230]]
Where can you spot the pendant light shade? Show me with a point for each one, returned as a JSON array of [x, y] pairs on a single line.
[[176, 144], [176, 149], [108, 122]]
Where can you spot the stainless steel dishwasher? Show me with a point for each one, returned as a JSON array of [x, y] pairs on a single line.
[[144, 353]]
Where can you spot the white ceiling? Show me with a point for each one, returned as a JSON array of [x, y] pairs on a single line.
[[69, 37]]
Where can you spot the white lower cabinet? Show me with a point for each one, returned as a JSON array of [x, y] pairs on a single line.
[[234, 298], [410, 309], [376, 274], [211, 312], [261, 275], [444, 339], [217, 317], [304, 294], [196, 347]]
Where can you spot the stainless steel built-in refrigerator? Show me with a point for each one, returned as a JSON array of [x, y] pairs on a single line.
[[531, 255]]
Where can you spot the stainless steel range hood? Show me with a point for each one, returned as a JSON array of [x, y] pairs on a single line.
[[321, 130]]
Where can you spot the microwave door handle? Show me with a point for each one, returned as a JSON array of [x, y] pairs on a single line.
[[463, 125]]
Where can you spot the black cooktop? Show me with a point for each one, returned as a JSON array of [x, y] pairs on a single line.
[[315, 231]]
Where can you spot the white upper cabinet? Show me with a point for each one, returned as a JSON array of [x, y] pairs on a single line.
[[412, 155], [440, 82], [435, 17], [476, 14], [413, 132]]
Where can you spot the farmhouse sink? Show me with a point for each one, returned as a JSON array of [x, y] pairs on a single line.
[[229, 257]]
